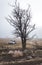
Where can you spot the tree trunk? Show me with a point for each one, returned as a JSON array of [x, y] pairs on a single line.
[[23, 44]]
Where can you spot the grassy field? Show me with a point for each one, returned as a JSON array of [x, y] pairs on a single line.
[[30, 44]]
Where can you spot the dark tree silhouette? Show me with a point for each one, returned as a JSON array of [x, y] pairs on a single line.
[[20, 20]]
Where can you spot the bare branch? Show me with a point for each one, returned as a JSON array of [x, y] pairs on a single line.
[[20, 20]]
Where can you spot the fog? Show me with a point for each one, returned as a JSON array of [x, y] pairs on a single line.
[[5, 10]]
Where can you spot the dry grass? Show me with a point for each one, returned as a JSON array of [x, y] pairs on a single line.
[[4, 42], [27, 62], [30, 44]]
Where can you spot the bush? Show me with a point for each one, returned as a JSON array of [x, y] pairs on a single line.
[[38, 53], [6, 57]]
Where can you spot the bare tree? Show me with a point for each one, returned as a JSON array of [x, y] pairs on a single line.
[[20, 20]]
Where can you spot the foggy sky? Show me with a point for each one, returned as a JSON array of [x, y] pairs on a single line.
[[5, 10]]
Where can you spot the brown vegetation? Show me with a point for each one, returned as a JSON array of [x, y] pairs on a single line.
[[9, 59]]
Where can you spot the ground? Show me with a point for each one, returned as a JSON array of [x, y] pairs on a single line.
[[32, 56]]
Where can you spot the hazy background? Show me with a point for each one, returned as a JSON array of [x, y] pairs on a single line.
[[5, 10]]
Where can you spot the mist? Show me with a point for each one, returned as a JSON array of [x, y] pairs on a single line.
[[5, 10]]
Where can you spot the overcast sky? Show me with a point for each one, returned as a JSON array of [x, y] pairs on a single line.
[[5, 10]]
